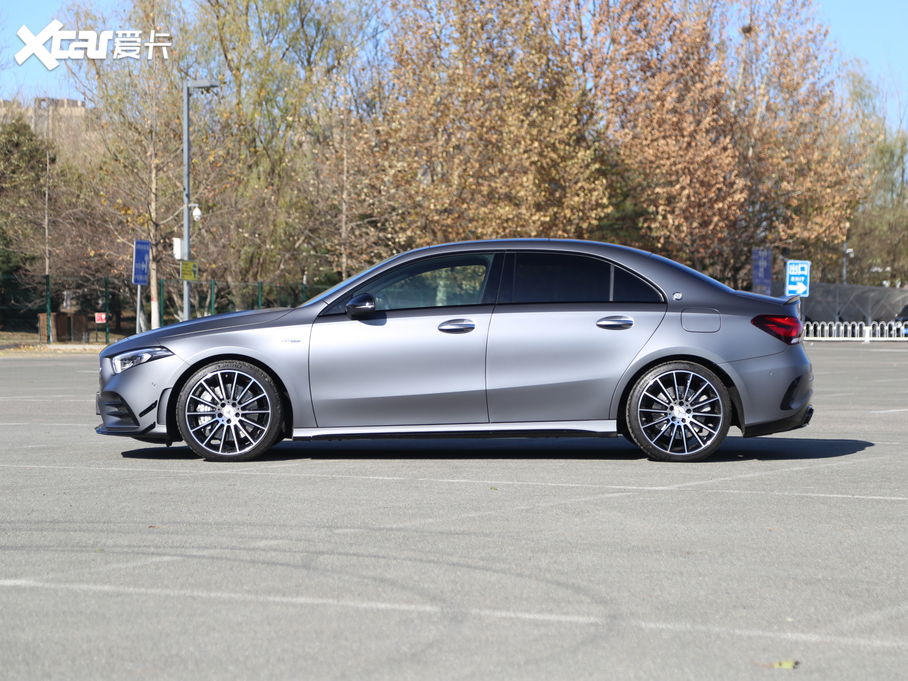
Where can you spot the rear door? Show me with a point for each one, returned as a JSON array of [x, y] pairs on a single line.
[[566, 328]]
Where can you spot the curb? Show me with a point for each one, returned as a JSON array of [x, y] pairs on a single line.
[[53, 348]]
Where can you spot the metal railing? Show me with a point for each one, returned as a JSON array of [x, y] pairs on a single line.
[[856, 331], [840, 302], [67, 309]]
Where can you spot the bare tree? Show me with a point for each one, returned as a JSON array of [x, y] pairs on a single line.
[[878, 231], [484, 130], [802, 182], [133, 189]]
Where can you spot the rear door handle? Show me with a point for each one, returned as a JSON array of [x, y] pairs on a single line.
[[615, 323], [457, 326]]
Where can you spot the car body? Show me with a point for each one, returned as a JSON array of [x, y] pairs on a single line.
[[503, 337]]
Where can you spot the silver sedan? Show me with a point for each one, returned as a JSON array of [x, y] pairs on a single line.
[[515, 338]]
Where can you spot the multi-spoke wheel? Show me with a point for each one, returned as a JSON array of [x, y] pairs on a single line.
[[229, 411], [679, 411]]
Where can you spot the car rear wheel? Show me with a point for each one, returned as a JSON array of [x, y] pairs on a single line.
[[229, 411], [679, 411]]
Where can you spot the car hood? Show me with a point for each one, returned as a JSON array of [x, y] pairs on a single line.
[[217, 323]]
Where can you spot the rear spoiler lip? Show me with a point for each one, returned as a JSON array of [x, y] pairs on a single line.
[[793, 299]]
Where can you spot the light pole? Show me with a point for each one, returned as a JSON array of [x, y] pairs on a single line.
[[189, 84], [846, 253]]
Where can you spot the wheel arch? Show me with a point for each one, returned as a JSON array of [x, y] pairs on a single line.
[[173, 431], [737, 416]]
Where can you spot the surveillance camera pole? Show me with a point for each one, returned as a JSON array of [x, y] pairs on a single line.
[[846, 253], [188, 84], [845, 262]]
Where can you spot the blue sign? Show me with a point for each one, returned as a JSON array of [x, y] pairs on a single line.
[[797, 278], [762, 261], [141, 255]]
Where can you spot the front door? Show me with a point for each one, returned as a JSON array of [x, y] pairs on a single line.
[[419, 359]]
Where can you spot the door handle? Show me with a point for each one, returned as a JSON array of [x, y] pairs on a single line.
[[457, 326], [615, 323]]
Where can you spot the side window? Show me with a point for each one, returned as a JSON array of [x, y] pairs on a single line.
[[560, 278], [438, 282], [629, 288], [567, 278]]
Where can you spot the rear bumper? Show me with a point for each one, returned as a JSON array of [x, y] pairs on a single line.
[[775, 391], [799, 419]]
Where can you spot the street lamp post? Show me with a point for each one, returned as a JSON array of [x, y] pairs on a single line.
[[846, 253], [189, 84]]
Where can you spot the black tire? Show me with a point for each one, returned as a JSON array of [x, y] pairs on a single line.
[[230, 411], [678, 411]]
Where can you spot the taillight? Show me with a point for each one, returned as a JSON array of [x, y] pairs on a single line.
[[786, 329]]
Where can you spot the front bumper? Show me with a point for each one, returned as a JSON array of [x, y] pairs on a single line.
[[134, 403], [118, 419]]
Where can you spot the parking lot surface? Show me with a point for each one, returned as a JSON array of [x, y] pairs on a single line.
[[456, 559]]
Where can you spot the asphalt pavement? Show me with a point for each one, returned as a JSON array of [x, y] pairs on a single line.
[[456, 559]]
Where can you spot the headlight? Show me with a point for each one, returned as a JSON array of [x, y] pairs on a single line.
[[127, 360]]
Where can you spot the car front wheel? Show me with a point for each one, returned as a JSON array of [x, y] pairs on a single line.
[[679, 411], [229, 411]]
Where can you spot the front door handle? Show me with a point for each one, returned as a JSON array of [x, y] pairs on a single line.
[[615, 323], [457, 326]]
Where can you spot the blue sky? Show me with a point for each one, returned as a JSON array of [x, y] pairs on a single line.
[[871, 30], [32, 77]]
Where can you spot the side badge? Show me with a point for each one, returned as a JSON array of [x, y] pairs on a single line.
[[677, 296]]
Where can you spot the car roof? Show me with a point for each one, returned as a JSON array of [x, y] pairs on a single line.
[[625, 254], [661, 271]]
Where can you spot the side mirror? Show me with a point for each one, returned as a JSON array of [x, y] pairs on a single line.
[[361, 306]]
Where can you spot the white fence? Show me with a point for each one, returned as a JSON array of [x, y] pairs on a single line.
[[838, 302], [856, 331]]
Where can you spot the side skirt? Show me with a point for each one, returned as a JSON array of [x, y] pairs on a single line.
[[529, 429]]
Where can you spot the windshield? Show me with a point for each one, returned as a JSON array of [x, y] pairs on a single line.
[[324, 294]]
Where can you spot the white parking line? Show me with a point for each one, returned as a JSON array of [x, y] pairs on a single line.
[[774, 471], [54, 400], [436, 610], [109, 566], [40, 398], [498, 511], [252, 470], [297, 462], [856, 412], [53, 423], [861, 497], [777, 635], [872, 617], [205, 470]]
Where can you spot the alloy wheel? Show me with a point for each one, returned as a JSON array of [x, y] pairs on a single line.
[[228, 412], [680, 412]]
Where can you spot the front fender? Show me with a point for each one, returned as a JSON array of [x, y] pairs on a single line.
[[282, 351]]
